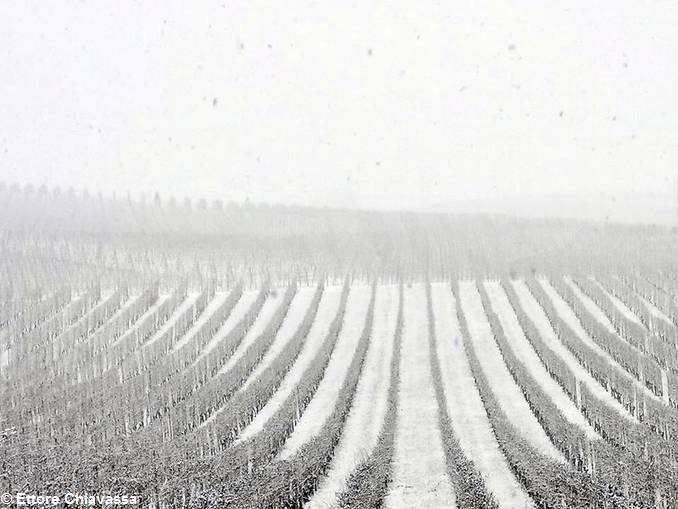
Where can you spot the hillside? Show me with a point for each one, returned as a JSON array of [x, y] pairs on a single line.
[[248, 356]]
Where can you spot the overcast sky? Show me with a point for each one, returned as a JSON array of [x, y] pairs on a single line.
[[369, 104]]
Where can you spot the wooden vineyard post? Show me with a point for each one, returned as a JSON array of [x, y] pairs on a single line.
[[297, 410], [665, 387]]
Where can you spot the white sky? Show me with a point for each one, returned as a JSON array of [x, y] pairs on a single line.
[[368, 104]]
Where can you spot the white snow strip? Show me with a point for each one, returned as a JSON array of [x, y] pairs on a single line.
[[149, 311], [323, 402], [541, 321], [295, 316], [419, 469], [523, 350], [124, 305], [180, 310], [466, 410], [590, 306], [368, 411], [621, 307], [290, 324], [86, 317], [327, 309], [566, 313], [501, 382], [239, 311], [587, 339], [654, 310], [258, 327], [4, 358], [131, 300], [212, 306]]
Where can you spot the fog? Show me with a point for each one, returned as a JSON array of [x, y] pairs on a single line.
[[389, 105]]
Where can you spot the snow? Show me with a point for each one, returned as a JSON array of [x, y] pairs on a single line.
[[621, 307], [368, 411], [327, 309], [132, 300], [654, 310], [420, 476], [4, 358], [323, 402], [523, 350], [84, 319], [295, 316], [568, 315], [548, 335], [218, 299], [501, 382], [161, 299], [591, 306], [466, 410], [238, 312], [180, 310], [265, 316], [258, 327]]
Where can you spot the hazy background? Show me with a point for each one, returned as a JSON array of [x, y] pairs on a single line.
[[529, 107]]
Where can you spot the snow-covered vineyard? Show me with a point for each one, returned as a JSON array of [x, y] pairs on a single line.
[[511, 392]]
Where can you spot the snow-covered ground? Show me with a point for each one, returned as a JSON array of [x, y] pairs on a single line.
[[420, 476], [324, 400], [263, 319], [329, 304], [149, 312], [654, 310], [239, 311], [621, 307], [190, 299], [540, 320], [523, 350], [501, 382], [295, 316], [4, 358], [590, 305], [367, 413], [266, 314], [466, 410], [217, 300], [566, 312]]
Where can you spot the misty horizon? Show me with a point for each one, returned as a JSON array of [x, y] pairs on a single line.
[[375, 107]]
